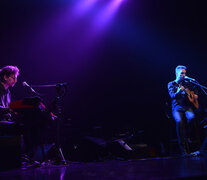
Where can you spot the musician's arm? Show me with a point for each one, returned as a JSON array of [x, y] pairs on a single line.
[[173, 91], [4, 110]]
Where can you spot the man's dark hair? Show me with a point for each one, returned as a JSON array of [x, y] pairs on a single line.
[[8, 71], [180, 67]]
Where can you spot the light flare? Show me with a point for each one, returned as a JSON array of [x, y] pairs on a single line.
[[107, 14]]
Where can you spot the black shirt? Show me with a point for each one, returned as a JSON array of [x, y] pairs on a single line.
[[180, 100], [5, 99]]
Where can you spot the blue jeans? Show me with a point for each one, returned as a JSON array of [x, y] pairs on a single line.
[[184, 129]]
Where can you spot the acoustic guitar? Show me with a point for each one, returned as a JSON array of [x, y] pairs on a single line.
[[191, 96]]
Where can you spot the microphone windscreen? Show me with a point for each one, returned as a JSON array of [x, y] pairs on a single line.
[[24, 83]]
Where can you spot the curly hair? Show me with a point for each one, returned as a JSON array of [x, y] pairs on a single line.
[[8, 71]]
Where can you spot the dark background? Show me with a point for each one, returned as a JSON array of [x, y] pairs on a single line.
[[117, 79]]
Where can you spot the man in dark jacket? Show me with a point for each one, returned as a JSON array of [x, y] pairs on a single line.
[[182, 107], [8, 78]]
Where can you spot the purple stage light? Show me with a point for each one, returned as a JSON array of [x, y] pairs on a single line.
[[88, 41], [83, 6], [107, 14], [118, 1]]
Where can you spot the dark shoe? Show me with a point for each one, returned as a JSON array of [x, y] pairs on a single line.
[[196, 153]]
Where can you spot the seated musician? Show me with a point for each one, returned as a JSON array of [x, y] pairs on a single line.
[[182, 107], [8, 78]]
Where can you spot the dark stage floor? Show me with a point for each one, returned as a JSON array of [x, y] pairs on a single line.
[[159, 168]]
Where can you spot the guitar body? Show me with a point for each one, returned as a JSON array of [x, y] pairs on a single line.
[[191, 97]]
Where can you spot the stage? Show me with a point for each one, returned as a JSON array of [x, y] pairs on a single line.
[[90, 79], [152, 168]]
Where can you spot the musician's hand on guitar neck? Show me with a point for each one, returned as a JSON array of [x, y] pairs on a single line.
[[195, 96]]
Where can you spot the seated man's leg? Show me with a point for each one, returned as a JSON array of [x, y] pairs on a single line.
[[190, 115], [178, 116], [192, 131]]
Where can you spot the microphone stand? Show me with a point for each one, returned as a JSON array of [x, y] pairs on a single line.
[[203, 89], [61, 90], [201, 86], [197, 83]]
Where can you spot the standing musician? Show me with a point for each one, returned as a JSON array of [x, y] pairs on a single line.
[[184, 99], [8, 78]]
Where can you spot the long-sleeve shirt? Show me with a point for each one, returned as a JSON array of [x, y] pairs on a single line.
[[5, 99], [180, 100]]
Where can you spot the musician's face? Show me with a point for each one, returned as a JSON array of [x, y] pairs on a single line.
[[181, 73], [11, 80]]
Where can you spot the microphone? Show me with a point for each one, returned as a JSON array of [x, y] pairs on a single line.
[[62, 84], [189, 78], [24, 83]]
